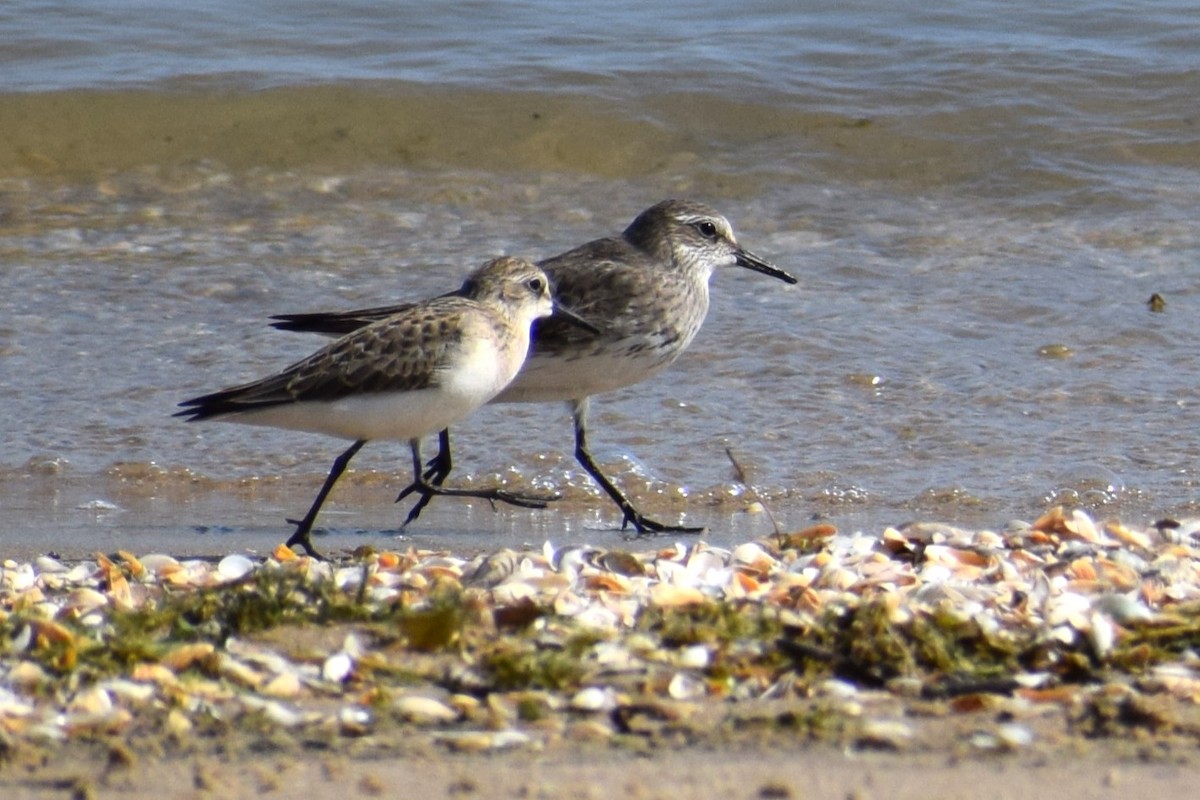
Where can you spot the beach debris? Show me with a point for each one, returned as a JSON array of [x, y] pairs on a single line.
[[581, 642]]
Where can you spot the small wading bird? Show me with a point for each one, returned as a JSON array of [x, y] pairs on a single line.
[[402, 376], [647, 288]]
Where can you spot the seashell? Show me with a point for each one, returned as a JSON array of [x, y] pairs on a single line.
[[751, 554], [1128, 536], [106, 722], [895, 542], [348, 579], [354, 720], [424, 710], [1064, 634], [1010, 736], [447, 576], [889, 734], [45, 565], [988, 540], [1102, 634], [837, 577], [842, 690], [593, 699], [186, 655], [620, 563], [277, 713], [26, 676], [607, 582], [283, 553], [154, 673], [159, 563], [389, 560], [589, 730], [686, 686], [234, 567], [238, 672], [177, 723], [81, 572], [21, 578], [478, 742], [569, 560], [696, 656], [953, 556], [703, 564], [132, 564], [1068, 608], [512, 593], [465, 704], [616, 657], [1080, 525], [352, 645], [12, 707], [255, 654], [119, 592], [130, 691], [48, 731], [671, 596], [1123, 610], [1174, 679], [91, 701], [283, 685], [741, 586], [671, 572], [337, 667], [84, 600]]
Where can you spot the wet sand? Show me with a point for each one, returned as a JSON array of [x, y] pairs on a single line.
[[783, 774]]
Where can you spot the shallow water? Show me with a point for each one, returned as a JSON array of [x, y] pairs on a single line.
[[979, 203]]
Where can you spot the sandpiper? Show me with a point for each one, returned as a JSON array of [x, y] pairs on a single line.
[[407, 374], [647, 289]]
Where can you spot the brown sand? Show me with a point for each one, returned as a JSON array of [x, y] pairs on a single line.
[[803, 772]]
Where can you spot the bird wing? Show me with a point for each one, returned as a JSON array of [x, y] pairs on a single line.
[[403, 352], [337, 323]]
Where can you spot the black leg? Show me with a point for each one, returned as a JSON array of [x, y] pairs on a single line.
[[437, 469], [436, 472], [304, 526], [641, 524], [426, 490]]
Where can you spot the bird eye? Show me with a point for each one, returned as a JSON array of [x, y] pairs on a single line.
[[707, 229], [536, 285]]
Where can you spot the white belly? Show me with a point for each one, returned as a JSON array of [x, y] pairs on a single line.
[[474, 379], [546, 379]]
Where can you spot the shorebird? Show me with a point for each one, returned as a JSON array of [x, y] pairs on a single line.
[[647, 289], [403, 375]]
